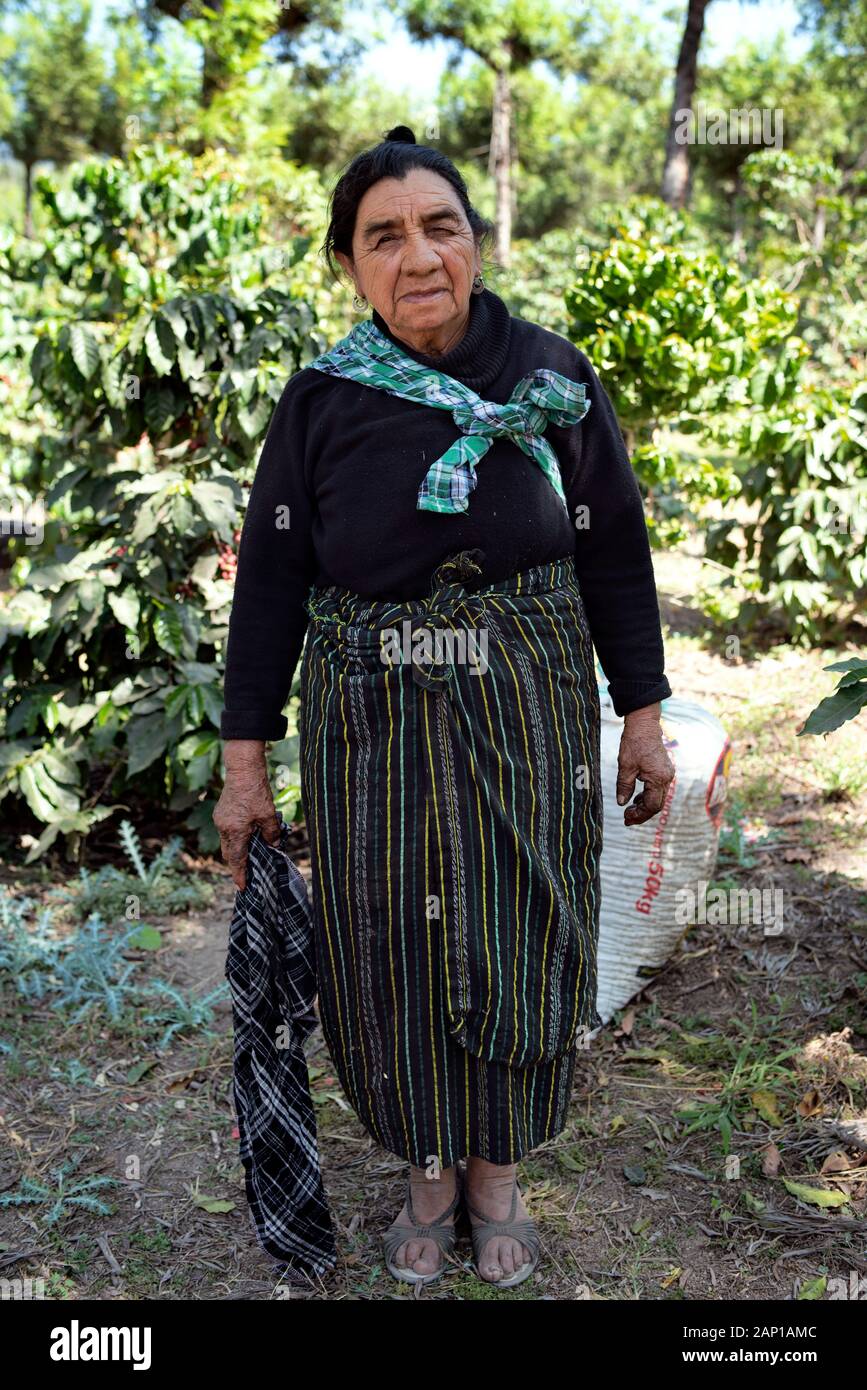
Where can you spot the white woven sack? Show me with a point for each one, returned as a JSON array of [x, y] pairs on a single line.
[[643, 866]]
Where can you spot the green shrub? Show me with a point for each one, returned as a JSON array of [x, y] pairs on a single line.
[[807, 481], [689, 346], [679, 337], [174, 325]]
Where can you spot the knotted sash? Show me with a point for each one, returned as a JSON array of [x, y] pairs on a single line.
[[367, 356]]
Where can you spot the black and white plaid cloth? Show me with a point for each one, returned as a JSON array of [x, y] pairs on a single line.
[[272, 978]]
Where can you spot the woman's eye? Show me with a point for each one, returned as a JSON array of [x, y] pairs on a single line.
[[437, 231]]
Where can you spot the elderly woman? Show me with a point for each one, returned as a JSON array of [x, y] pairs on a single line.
[[445, 509]]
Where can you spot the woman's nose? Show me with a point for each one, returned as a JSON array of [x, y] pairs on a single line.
[[420, 253]]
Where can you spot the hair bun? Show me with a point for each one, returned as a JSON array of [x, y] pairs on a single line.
[[401, 135]]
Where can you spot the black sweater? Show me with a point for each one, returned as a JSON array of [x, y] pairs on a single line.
[[342, 464]]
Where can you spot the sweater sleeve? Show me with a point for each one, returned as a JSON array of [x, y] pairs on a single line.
[[276, 566], [612, 553]]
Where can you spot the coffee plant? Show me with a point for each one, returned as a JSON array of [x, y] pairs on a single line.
[[171, 324]]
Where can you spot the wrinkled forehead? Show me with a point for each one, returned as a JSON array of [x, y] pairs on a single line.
[[420, 198]]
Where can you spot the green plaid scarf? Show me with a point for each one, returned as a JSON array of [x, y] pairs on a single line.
[[367, 356]]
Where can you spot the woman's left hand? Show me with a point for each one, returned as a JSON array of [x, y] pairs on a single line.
[[642, 756]]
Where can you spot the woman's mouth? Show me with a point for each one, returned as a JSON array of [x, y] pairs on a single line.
[[422, 296]]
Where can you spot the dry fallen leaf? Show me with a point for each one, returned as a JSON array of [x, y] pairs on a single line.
[[809, 1104], [770, 1160], [766, 1104], [182, 1083], [626, 1025], [836, 1162]]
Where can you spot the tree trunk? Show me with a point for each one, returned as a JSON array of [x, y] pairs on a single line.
[[820, 225], [675, 175], [213, 78], [28, 201], [501, 164]]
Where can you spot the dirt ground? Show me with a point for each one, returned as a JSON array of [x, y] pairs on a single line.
[[705, 1119]]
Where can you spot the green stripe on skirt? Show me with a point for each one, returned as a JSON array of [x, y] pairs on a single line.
[[454, 808]]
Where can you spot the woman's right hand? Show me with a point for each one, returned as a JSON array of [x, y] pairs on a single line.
[[246, 802]]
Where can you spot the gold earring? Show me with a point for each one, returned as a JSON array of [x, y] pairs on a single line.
[[478, 284], [359, 302]]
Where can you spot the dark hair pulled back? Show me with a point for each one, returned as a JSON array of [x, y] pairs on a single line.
[[393, 158]]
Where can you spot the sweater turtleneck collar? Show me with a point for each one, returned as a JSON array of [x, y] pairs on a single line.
[[480, 356]]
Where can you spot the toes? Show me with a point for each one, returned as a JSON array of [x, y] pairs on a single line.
[[413, 1250], [490, 1264], [419, 1256], [520, 1255], [503, 1258], [428, 1261]]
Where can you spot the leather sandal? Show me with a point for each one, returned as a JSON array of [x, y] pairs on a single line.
[[399, 1232], [522, 1229]]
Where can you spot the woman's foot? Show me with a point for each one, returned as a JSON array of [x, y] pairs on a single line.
[[490, 1187], [430, 1199]]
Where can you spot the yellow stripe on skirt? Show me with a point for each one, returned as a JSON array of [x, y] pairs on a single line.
[[449, 754]]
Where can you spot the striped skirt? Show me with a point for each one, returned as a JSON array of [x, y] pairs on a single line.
[[449, 751]]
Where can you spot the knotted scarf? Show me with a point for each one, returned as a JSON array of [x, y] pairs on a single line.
[[367, 356]]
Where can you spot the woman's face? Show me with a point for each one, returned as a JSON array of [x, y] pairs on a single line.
[[414, 257]]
